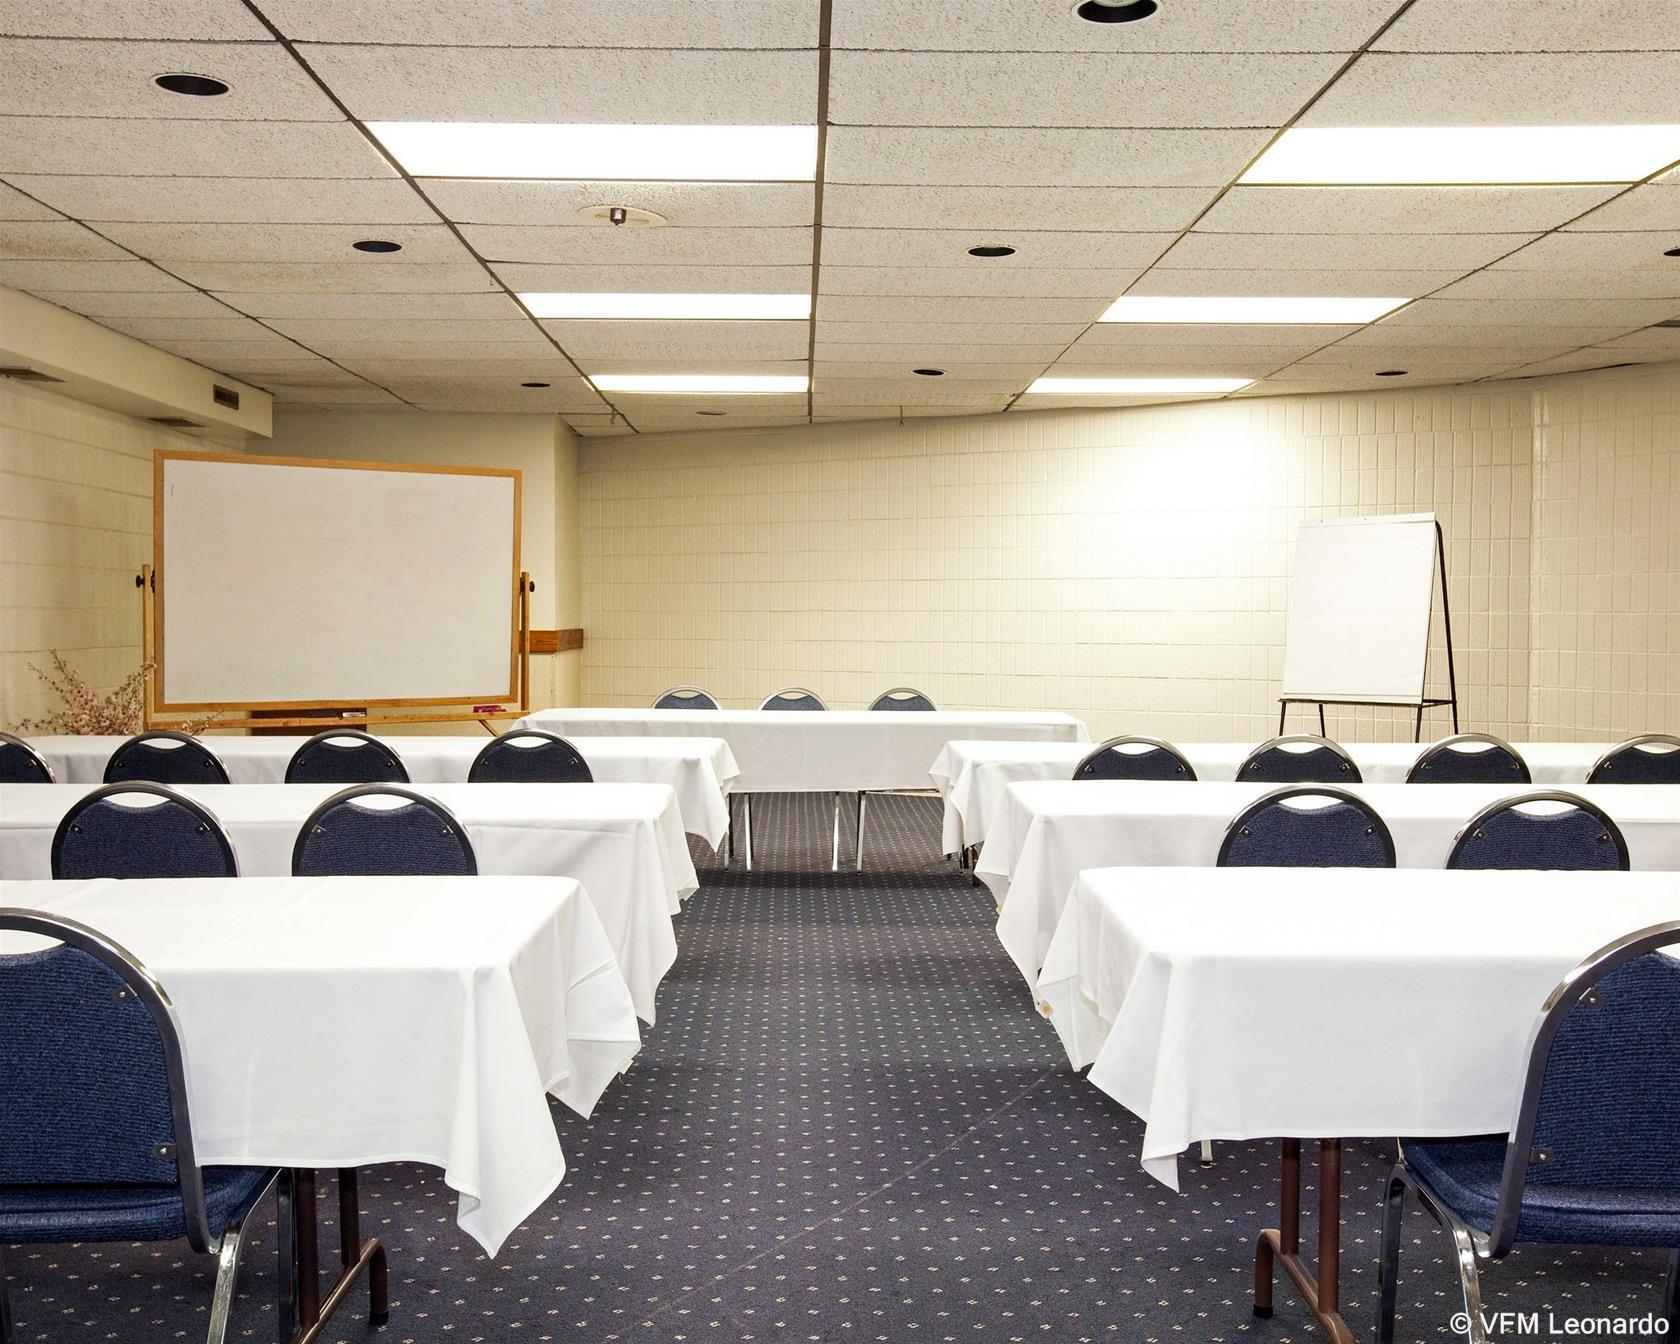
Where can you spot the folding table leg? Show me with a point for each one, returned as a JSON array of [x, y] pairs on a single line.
[[1282, 1245], [834, 863], [862, 817]]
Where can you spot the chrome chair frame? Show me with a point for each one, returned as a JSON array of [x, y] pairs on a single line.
[[1350, 767], [368, 741], [18, 744], [1607, 761], [513, 735], [1131, 740], [1468, 833], [1283, 793], [206, 817], [187, 740], [687, 693], [1472, 1248], [355, 791], [1449, 746], [863, 794]]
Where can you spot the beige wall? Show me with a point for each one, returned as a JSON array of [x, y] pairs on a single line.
[[1131, 566]]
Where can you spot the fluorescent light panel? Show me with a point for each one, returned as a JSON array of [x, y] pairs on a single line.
[[670, 306], [1134, 387], [602, 153], [1272, 312], [700, 382], [1460, 155]]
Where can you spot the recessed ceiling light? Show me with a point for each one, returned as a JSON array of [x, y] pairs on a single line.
[[1392, 373], [535, 384], [991, 250], [1240, 309], [929, 373], [1459, 155], [670, 306], [701, 382], [1116, 11], [1134, 387], [376, 245], [644, 153], [194, 86]]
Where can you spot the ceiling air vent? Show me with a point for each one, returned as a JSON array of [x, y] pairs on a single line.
[[174, 422], [224, 396], [27, 375]]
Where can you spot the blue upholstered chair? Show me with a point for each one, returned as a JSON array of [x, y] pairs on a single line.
[[1135, 758], [345, 756], [165, 757], [1653, 758], [793, 697], [1545, 829], [141, 830], [686, 697], [1272, 832], [528, 756], [903, 697], [1470, 758], [96, 1141], [1298, 758], [20, 763], [1594, 1155], [900, 699], [382, 830]]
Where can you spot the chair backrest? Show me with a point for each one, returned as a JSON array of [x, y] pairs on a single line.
[[1545, 829], [165, 757], [686, 697], [902, 697], [528, 756], [345, 756], [382, 830], [95, 1081], [1298, 758], [1470, 758], [1652, 758], [20, 763], [141, 830], [1601, 1093], [793, 697], [1272, 832], [1135, 758]]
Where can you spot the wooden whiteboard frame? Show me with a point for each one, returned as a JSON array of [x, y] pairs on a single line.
[[153, 593]]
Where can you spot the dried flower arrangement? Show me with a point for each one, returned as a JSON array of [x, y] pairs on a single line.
[[87, 712]]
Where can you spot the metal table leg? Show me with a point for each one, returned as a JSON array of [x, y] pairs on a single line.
[[1282, 1245], [355, 1255]]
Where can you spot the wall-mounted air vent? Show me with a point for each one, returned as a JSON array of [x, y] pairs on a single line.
[[27, 375], [174, 422], [224, 396]]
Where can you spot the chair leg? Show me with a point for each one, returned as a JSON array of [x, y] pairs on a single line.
[[862, 820], [1470, 1280], [746, 814], [285, 1206], [1673, 1296], [5, 1303], [834, 862], [1388, 1267], [1207, 1152], [227, 1271]]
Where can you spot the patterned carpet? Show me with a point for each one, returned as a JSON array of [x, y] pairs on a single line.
[[849, 1125]]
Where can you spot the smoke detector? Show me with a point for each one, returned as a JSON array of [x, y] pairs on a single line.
[[626, 216]]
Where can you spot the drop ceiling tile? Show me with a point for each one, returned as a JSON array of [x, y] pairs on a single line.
[[685, 204], [214, 354], [333, 398], [653, 422], [370, 335], [58, 240], [104, 276], [164, 20], [1042, 402], [527, 248], [949, 248], [1208, 360], [49, 78], [1660, 341], [14, 205], [697, 364], [656, 405], [921, 354], [1434, 340], [1491, 89], [832, 333], [1576, 362], [1629, 252], [962, 156], [1519, 284], [377, 310], [290, 243], [497, 403], [1461, 368], [1578, 315], [1580, 25], [546, 366], [688, 279], [348, 279], [965, 281], [1382, 211], [1341, 252], [656, 340], [1395, 352], [227, 327], [958, 373], [462, 352], [1169, 281], [1643, 208], [913, 391], [1022, 88], [1050, 25], [541, 23], [233, 200], [307, 370], [114, 147], [1159, 365], [840, 308], [100, 306], [1320, 386], [991, 209], [570, 84], [1233, 335]]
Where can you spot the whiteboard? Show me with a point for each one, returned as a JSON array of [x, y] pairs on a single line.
[[285, 583], [1359, 609]]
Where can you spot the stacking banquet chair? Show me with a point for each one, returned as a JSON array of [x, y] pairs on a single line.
[[790, 697], [1545, 829], [528, 756], [1470, 758], [1593, 1156], [1299, 758], [686, 697], [1651, 759], [900, 699], [20, 763], [382, 830], [1272, 832], [345, 756], [96, 1141], [165, 757], [141, 830], [1135, 758]]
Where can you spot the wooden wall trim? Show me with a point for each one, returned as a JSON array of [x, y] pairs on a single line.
[[556, 641]]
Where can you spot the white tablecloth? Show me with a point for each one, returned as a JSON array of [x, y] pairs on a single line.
[[624, 842], [821, 751], [1245, 1003], [1046, 833], [972, 775], [336, 1022], [700, 769]]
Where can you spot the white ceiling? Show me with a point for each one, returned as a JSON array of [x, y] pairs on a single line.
[[1106, 155]]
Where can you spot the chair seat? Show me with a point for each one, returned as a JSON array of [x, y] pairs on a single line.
[[63, 1213], [1465, 1173]]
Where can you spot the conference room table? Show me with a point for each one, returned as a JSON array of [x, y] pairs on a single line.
[[971, 775], [700, 769], [623, 842], [1047, 833], [313, 1052], [1248, 1003]]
